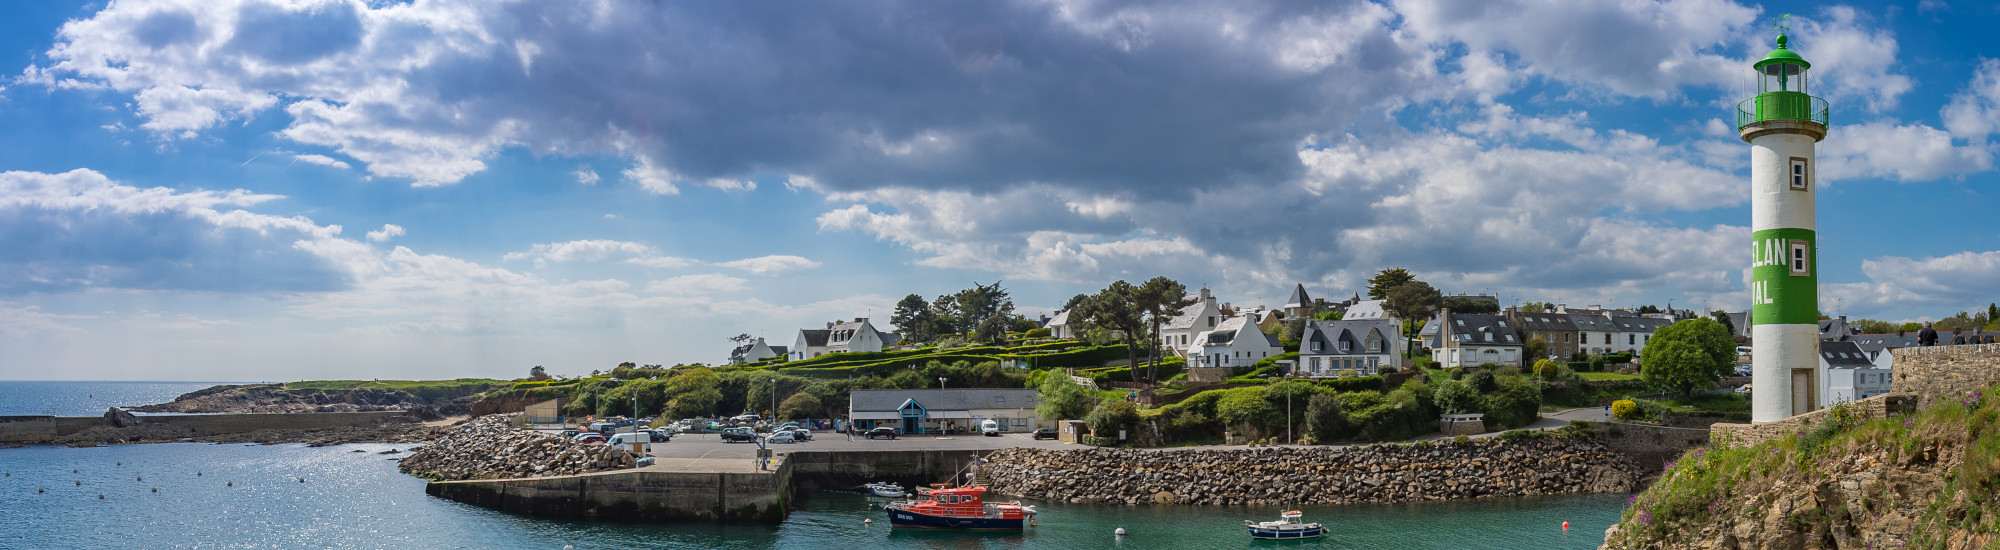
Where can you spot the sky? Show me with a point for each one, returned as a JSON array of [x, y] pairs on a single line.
[[260, 190]]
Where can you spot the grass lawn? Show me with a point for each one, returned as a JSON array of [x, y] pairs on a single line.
[[1606, 376]]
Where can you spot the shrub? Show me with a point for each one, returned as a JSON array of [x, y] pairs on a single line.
[[1455, 397], [1244, 408], [1624, 409], [1515, 402], [1326, 421], [1110, 416]]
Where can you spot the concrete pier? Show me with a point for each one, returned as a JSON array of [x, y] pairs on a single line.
[[726, 490]]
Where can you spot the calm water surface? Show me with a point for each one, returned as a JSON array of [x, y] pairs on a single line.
[[358, 500], [87, 398]]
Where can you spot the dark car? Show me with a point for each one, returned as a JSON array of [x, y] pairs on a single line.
[[734, 435], [1045, 433], [884, 432], [662, 436]]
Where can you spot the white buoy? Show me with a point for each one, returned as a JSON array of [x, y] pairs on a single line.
[[1119, 531], [866, 521]]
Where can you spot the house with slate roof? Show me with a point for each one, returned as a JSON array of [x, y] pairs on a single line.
[[756, 351], [923, 411], [1557, 334], [1059, 325], [1471, 339], [1349, 348], [840, 336], [1367, 309], [1178, 333], [1299, 305], [1236, 342], [1846, 373]]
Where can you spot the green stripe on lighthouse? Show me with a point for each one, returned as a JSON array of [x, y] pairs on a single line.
[[1781, 293]]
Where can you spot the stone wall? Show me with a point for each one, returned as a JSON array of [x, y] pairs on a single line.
[[847, 469], [644, 494], [1649, 447], [1744, 435], [1939, 371], [1442, 470]]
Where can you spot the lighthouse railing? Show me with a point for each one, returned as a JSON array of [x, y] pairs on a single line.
[[1770, 106]]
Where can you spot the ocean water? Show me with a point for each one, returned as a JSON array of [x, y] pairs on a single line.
[[238, 496], [86, 398]]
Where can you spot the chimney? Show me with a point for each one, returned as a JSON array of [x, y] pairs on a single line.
[[1444, 330], [860, 319], [1206, 296]]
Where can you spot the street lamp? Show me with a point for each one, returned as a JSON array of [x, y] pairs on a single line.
[[941, 380]]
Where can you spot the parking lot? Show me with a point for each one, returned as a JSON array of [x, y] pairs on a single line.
[[690, 445]]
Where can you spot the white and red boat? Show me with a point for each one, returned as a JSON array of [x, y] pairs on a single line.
[[959, 508]]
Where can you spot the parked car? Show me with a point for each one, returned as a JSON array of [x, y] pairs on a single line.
[[738, 435], [1045, 433], [746, 418], [661, 435], [626, 439], [589, 437], [570, 434], [883, 432], [781, 437], [1743, 370], [604, 427], [989, 428], [797, 433]]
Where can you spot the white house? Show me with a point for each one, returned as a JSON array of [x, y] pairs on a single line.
[[1472, 339], [935, 411], [1601, 331], [1365, 310], [1059, 325], [1847, 374], [1233, 343], [756, 351], [839, 336], [1178, 333], [1349, 347]]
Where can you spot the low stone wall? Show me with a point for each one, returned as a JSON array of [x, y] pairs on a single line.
[[1745, 435], [813, 470], [1939, 371], [51, 429], [1441, 470], [1648, 447], [647, 494]]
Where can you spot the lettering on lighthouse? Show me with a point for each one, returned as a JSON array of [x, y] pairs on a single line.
[[1783, 286]]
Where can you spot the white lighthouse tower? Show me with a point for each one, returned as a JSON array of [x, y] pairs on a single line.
[[1783, 126]]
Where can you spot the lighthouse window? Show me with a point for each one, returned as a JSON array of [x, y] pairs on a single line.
[[1799, 265], [1799, 175]]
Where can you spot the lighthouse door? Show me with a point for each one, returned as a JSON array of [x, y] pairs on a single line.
[[1802, 399]]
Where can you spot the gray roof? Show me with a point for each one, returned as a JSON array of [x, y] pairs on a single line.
[[1834, 329], [950, 399], [1544, 322], [1639, 324], [1061, 319], [1329, 334], [1843, 355], [1592, 322], [1189, 315], [1741, 322], [1299, 297], [814, 337], [1224, 333], [780, 350], [1470, 328]]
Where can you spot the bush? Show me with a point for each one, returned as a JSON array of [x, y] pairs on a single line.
[[1037, 332], [1244, 408], [1455, 397], [1326, 421], [1624, 409], [1062, 399], [1514, 403], [1110, 416]]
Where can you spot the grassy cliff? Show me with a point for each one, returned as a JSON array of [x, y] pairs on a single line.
[[1930, 479]]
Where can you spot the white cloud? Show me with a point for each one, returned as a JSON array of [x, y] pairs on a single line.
[[1974, 112], [1901, 286], [700, 284], [662, 262], [1905, 152], [321, 160], [590, 250], [770, 264], [388, 231], [653, 179], [585, 176], [1646, 49], [730, 184]]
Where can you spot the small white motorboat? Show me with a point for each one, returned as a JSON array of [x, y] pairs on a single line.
[[887, 490], [1288, 527]]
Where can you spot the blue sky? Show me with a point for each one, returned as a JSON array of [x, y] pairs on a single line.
[[260, 190]]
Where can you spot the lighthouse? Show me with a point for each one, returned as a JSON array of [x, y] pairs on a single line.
[[1783, 124]]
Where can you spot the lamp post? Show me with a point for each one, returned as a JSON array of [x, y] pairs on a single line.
[[941, 380], [774, 397]]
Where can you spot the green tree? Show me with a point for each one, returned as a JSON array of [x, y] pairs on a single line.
[[1110, 416], [1687, 356], [1412, 301], [1379, 285], [801, 405], [1537, 307], [1455, 397], [913, 318], [538, 373], [985, 310], [694, 392], [1470, 304], [1116, 308], [945, 316], [1063, 399], [1161, 299], [1513, 403], [1326, 419], [1245, 407]]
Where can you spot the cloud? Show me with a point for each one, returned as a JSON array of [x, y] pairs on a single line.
[[770, 264], [1904, 152], [592, 250], [1974, 112], [585, 176], [388, 231], [321, 160], [80, 230], [1905, 286], [1644, 49], [653, 179], [697, 285]]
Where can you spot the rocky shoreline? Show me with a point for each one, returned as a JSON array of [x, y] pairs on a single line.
[[1386, 473], [274, 398], [490, 447]]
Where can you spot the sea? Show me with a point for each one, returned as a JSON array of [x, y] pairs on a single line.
[[87, 398], [198, 495]]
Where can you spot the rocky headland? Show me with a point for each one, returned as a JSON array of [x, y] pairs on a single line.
[[277, 398], [1540, 464], [491, 447]]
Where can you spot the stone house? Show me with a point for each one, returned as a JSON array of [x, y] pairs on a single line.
[[1558, 335]]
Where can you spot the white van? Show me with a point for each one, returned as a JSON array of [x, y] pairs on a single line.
[[990, 428], [627, 440]]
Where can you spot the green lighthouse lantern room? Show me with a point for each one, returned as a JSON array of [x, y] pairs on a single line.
[[1781, 91]]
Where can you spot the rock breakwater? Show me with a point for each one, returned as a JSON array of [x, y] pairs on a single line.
[[490, 447], [1444, 470]]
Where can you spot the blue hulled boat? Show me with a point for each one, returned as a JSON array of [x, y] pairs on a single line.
[[1288, 527]]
